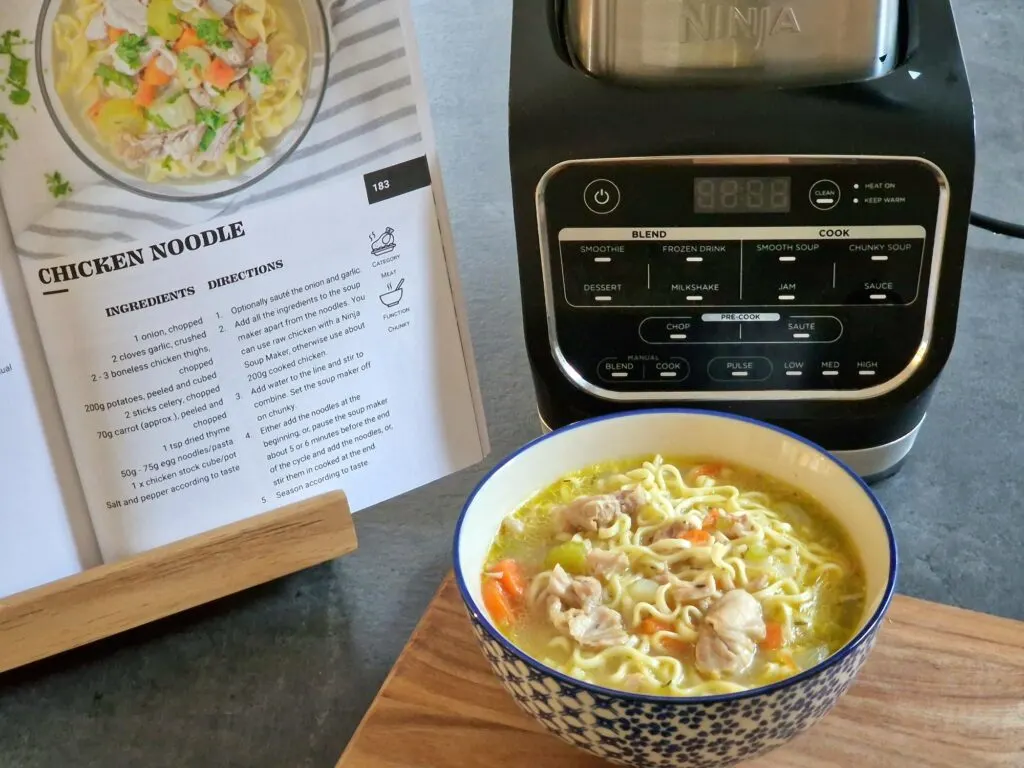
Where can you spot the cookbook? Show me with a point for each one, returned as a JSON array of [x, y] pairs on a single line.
[[229, 282]]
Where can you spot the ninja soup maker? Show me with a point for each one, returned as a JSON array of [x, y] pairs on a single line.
[[759, 207]]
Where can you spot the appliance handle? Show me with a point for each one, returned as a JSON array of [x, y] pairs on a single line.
[[912, 28], [556, 27]]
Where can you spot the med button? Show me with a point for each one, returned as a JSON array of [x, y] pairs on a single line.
[[740, 368]]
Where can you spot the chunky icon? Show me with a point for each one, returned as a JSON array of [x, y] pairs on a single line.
[[394, 296], [384, 244]]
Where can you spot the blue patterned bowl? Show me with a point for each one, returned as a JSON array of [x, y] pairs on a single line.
[[654, 731]]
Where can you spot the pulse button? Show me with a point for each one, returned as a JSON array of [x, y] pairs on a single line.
[[602, 196], [740, 368]]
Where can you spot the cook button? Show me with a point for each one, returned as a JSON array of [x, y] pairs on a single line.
[[602, 196], [616, 369], [666, 370], [740, 368]]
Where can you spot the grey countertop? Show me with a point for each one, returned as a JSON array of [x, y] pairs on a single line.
[[280, 676]]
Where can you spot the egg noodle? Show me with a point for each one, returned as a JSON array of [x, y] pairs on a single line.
[[792, 559], [216, 98]]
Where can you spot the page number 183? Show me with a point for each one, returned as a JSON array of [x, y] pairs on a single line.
[[381, 186]]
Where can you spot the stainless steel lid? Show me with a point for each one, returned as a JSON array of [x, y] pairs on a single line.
[[757, 41]]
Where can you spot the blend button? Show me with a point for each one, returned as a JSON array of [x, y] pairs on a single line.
[[614, 369], [740, 368], [602, 196]]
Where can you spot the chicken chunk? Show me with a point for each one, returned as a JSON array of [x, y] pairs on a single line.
[[702, 587], [741, 526], [728, 636], [632, 500], [180, 145], [129, 15], [573, 607], [513, 525], [600, 628], [590, 513], [674, 530], [604, 563], [583, 592]]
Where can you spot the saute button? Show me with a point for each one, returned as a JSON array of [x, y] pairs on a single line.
[[740, 368], [618, 369]]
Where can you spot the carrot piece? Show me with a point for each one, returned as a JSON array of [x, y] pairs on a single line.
[[95, 109], [219, 74], [496, 602], [712, 519], [114, 34], [145, 95], [773, 636], [699, 537], [677, 646], [649, 626], [153, 75], [189, 39], [512, 578], [710, 470]]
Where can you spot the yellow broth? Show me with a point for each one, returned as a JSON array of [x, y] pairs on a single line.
[[794, 559]]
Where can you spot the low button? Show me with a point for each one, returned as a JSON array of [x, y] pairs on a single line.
[[602, 196], [613, 369], [740, 368]]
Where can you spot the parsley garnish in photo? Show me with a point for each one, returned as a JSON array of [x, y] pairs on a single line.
[[263, 73], [211, 32], [130, 48], [59, 186]]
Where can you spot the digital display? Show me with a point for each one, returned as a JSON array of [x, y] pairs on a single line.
[[743, 195]]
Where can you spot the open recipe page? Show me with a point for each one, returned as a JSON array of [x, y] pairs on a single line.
[[229, 222]]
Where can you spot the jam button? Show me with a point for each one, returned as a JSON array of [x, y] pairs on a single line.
[[740, 369], [666, 370], [619, 369]]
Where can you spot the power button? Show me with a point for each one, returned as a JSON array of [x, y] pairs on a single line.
[[602, 196]]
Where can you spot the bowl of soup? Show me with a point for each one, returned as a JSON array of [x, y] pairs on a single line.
[[183, 99], [675, 588]]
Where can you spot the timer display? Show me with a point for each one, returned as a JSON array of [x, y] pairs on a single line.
[[743, 195]]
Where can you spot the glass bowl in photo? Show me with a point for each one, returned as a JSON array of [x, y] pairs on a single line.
[[124, 111]]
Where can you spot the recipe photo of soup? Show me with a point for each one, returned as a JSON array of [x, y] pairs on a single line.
[[675, 578], [182, 89]]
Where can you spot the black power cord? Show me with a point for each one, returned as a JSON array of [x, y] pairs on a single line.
[[998, 226]]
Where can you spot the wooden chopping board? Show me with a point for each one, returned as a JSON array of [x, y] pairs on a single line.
[[944, 687]]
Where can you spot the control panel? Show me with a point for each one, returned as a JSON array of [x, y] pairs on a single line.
[[700, 278]]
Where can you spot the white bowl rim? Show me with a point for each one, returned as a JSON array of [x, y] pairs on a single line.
[[42, 29], [836, 658]]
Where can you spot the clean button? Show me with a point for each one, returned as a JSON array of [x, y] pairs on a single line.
[[825, 195], [602, 196]]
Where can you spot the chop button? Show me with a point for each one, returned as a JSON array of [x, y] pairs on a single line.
[[740, 368]]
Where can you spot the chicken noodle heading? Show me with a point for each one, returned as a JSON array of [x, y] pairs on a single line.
[[678, 579], [182, 89]]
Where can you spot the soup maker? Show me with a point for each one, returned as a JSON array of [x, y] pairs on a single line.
[[759, 207]]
